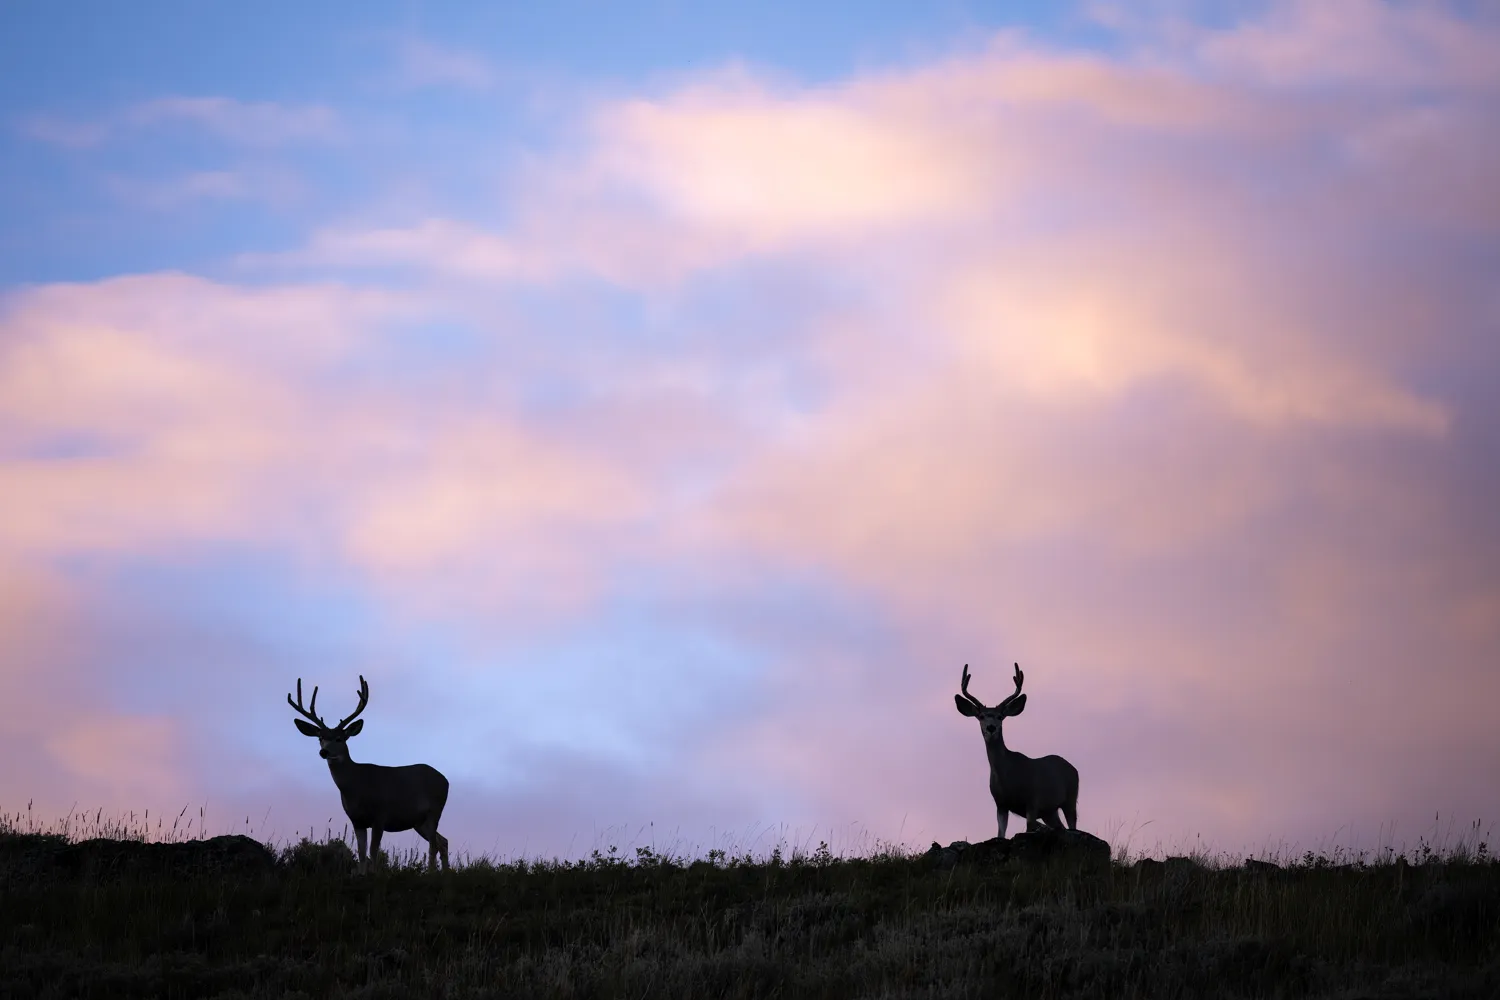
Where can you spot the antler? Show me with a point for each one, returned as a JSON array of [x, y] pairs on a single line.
[[364, 699], [965, 689], [311, 711], [1018, 679]]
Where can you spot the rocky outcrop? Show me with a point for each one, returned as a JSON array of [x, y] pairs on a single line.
[[1178, 867], [40, 856], [1031, 847]]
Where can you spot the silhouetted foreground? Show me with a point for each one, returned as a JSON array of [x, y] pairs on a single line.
[[44, 857], [1024, 918], [1072, 847]]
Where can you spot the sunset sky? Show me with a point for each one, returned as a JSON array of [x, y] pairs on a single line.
[[659, 408]]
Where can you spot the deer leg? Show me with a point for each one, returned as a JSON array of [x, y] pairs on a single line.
[[1070, 810], [1030, 820], [360, 833], [1002, 816], [1053, 820], [437, 844], [427, 830], [375, 833]]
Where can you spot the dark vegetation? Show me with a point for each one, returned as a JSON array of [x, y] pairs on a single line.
[[1037, 917]]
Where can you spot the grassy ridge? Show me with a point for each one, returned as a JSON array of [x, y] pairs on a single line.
[[888, 925]]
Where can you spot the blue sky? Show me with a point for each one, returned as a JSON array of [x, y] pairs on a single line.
[[659, 407], [439, 93]]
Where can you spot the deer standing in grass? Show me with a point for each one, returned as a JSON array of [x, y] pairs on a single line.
[[377, 799], [1034, 788]]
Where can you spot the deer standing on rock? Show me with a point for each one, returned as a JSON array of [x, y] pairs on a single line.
[[376, 798], [1034, 788]]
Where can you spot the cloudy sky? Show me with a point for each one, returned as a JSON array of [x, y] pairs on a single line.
[[659, 408]]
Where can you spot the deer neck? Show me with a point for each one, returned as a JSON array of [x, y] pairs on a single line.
[[343, 769], [1000, 756]]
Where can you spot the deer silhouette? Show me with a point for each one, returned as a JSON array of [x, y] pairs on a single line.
[[377, 799], [1034, 788]]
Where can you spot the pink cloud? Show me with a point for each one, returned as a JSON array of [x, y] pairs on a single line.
[[123, 755], [440, 244], [64, 741], [177, 385], [1353, 43], [771, 169], [152, 414]]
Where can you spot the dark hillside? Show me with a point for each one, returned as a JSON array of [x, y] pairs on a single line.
[[227, 918]]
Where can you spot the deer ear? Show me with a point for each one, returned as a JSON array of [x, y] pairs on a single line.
[[354, 729], [308, 729], [1015, 707], [965, 707]]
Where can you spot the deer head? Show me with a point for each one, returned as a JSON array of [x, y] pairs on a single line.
[[332, 741], [990, 718]]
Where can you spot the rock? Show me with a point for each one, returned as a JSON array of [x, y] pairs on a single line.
[[944, 858], [25, 855], [989, 852], [1255, 867], [1046, 844], [1176, 868], [39, 856], [1031, 847]]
